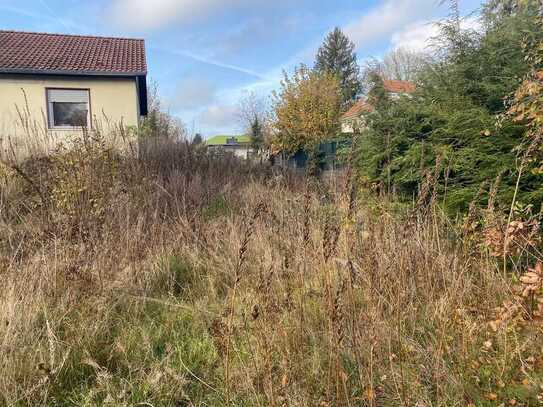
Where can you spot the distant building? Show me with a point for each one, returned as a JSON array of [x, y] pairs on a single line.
[[331, 153], [353, 119], [240, 146]]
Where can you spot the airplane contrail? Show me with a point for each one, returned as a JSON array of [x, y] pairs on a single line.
[[211, 62], [26, 13], [54, 14]]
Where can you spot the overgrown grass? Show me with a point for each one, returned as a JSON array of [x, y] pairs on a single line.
[[202, 281]]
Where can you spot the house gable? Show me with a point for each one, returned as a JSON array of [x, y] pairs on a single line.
[[31, 55]]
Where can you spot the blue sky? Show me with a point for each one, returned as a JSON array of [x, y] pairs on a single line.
[[206, 54]]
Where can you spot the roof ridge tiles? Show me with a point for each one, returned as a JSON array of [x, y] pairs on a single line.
[[106, 37]]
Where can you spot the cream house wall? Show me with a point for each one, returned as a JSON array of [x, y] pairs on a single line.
[[240, 151], [113, 103], [349, 125]]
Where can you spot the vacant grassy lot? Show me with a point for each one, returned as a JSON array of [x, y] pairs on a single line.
[[183, 279]]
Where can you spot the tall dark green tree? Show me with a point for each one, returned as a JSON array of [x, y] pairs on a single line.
[[336, 55], [257, 135], [450, 125], [197, 139]]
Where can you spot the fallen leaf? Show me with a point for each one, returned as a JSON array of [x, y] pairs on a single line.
[[369, 394], [491, 396], [284, 381]]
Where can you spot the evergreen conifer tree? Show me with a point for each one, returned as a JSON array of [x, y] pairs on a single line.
[[257, 135], [337, 56]]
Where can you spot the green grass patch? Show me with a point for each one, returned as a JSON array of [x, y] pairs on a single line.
[[217, 208], [136, 353]]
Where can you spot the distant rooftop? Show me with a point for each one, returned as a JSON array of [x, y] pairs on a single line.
[[41, 53], [395, 86], [362, 106], [392, 86]]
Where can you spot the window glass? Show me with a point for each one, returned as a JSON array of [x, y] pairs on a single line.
[[68, 108], [70, 114]]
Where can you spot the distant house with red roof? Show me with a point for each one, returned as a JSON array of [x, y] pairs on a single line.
[[65, 83], [354, 117]]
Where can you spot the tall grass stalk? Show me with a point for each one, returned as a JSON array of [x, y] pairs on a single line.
[[170, 276]]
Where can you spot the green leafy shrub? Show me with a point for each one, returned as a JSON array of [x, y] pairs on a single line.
[[452, 118]]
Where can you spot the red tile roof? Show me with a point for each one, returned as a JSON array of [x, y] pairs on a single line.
[[27, 52], [399, 86], [362, 106], [393, 86]]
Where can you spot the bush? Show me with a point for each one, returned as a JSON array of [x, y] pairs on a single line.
[[455, 123]]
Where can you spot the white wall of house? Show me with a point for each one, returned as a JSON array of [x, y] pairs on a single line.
[[349, 125], [243, 152], [240, 151], [113, 102]]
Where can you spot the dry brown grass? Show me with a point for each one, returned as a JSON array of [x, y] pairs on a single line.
[[202, 281]]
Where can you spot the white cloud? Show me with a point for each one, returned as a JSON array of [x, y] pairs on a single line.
[[417, 36], [193, 93], [145, 14], [219, 117], [373, 29], [153, 14], [388, 18]]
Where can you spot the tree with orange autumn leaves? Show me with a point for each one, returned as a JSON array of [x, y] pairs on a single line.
[[307, 110]]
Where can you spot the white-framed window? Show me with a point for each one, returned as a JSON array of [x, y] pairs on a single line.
[[68, 108]]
